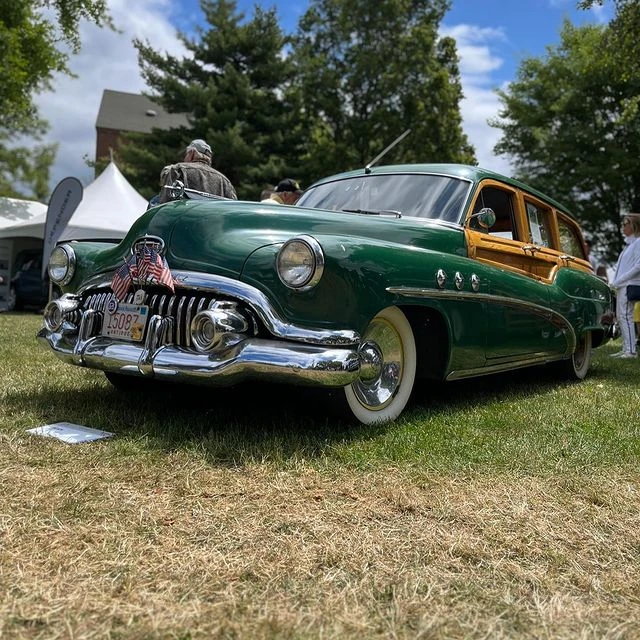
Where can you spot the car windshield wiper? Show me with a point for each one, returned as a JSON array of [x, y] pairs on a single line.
[[371, 212]]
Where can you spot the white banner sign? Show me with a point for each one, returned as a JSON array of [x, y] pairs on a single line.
[[63, 202]]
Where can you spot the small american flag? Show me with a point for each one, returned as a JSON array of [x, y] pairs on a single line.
[[123, 278], [146, 258], [164, 276], [152, 266]]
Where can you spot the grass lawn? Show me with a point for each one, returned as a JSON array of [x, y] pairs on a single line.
[[501, 507]]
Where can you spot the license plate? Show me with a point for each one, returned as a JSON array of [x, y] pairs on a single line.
[[126, 323]]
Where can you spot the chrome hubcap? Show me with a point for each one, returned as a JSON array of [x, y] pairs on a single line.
[[382, 365]]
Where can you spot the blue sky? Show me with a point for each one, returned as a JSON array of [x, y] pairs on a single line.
[[520, 28], [492, 37]]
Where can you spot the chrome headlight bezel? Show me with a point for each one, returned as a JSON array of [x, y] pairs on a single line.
[[302, 254], [63, 272]]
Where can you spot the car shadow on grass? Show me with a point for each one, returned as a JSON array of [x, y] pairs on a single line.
[[259, 421], [250, 420]]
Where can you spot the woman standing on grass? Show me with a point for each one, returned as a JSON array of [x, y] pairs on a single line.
[[627, 272]]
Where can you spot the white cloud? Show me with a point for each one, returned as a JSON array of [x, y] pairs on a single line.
[[107, 60], [478, 60], [473, 44]]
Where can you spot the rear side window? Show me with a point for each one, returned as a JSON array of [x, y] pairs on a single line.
[[570, 239], [539, 219]]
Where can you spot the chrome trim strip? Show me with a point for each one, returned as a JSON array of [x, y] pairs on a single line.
[[505, 366], [416, 292], [258, 301]]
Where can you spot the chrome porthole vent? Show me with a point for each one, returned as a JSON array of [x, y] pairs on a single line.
[[441, 278], [475, 282], [458, 279]]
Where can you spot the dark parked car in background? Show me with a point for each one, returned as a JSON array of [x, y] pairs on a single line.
[[27, 287]]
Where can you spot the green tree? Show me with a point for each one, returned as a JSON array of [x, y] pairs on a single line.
[[36, 39], [232, 86], [365, 72], [570, 123]]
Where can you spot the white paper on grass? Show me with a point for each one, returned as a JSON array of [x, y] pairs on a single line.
[[69, 432]]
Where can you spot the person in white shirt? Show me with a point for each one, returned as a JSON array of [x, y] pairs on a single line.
[[627, 272]]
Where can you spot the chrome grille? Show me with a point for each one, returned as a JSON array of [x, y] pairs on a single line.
[[181, 307]]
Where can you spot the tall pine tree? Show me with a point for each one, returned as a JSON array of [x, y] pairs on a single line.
[[365, 72], [232, 85]]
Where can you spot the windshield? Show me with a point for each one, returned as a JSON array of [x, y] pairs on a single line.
[[418, 195]]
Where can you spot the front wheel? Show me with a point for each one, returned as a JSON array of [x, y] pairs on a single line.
[[577, 366], [387, 378]]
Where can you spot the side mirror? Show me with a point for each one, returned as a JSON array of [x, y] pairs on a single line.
[[486, 218]]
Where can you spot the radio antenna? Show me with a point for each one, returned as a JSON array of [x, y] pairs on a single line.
[[386, 150]]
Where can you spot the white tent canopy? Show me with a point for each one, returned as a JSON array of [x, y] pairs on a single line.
[[108, 208], [14, 211]]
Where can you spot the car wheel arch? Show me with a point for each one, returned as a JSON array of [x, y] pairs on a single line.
[[433, 340]]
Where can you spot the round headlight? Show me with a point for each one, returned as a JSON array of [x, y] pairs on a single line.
[[62, 264], [300, 263]]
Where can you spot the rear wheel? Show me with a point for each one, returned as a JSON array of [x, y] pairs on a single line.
[[577, 366], [387, 378]]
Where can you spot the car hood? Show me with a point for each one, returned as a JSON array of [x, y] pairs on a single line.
[[218, 236]]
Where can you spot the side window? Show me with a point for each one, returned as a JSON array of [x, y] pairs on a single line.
[[570, 240], [502, 204], [539, 219]]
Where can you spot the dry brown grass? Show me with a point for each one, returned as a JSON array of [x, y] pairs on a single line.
[[99, 545]]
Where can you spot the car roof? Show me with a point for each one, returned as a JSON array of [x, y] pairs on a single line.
[[465, 171]]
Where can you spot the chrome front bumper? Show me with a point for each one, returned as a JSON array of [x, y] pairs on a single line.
[[251, 358]]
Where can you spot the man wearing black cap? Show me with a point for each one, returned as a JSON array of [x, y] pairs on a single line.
[[196, 172], [287, 192]]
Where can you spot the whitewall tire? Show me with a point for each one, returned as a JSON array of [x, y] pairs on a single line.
[[386, 382], [578, 365]]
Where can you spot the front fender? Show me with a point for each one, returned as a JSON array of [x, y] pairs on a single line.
[[359, 280]]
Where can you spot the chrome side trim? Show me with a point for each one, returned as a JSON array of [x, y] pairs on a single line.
[[538, 309], [505, 366], [255, 299]]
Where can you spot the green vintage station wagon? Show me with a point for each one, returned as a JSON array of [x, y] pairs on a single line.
[[375, 278]]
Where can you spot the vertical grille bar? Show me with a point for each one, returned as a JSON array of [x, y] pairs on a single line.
[[187, 328], [180, 329]]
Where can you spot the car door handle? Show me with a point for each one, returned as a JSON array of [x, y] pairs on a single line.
[[567, 258], [530, 247]]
